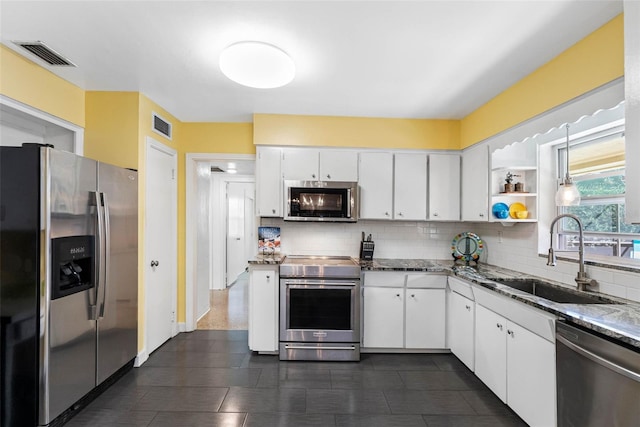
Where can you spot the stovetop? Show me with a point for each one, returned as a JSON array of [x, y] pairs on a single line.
[[305, 266]]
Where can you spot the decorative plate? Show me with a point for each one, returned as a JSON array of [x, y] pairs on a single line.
[[516, 207], [500, 210], [467, 246]]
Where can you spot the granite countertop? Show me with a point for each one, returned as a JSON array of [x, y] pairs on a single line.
[[619, 321]]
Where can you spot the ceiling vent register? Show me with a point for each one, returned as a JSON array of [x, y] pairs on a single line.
[[45, 53], [161, 126]]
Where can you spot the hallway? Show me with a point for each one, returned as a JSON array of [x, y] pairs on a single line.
[[229, 307]]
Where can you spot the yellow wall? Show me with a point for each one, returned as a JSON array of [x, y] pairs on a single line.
[[595, 60], [234, 138], [111, 131], [31, 84], [357, 132]]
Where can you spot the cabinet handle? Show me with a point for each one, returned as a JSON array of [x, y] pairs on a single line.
[[399, 213], [268, 277], [273, 211], [397, 295], [435, 214], [328, 176], [510, 332], [481, 215], [413, 296], [386, 213], [313, 175], [468, 307], [499, 326]]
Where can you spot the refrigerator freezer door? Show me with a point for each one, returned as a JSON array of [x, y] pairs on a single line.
[[118, 299], [68, 336]]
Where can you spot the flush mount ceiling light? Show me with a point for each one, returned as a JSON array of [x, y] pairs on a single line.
[[257, 65], [568, 193]]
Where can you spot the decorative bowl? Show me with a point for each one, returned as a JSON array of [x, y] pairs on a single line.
[[522, 214]]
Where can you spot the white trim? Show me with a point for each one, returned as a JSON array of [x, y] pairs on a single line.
[[142, 357], [191, 160], [182, 327], [78, 132], [156, 145]]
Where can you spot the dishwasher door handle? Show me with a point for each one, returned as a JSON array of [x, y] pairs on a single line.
[[598, 359]]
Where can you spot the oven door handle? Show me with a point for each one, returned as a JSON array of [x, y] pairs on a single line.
[[324, 284], [302, 347], [598, 359]]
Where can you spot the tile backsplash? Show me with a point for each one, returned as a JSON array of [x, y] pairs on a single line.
[[513, 247]]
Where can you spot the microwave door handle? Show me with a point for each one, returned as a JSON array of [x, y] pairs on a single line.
[[348, 203]]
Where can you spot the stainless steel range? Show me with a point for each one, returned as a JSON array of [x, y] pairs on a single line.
[[319, 308]]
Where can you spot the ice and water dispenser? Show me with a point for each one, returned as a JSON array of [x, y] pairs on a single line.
[[73, 265]]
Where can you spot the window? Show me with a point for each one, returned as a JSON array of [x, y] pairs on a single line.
[[597, 169]]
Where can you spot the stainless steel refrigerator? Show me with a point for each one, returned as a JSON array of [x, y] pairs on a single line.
[[68, 280]]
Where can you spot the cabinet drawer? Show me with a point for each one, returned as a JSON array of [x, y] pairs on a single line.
[[389, 279], [427, 281]]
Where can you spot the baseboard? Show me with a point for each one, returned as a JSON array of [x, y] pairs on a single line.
[[141, 358], [182, 327]]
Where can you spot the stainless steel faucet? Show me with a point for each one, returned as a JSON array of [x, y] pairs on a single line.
[[582, 280]]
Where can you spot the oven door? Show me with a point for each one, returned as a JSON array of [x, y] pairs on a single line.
[[319, 311]]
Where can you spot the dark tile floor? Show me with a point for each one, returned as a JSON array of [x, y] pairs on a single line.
[[210, 378]]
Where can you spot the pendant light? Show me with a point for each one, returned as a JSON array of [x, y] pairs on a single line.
[[568, 194]]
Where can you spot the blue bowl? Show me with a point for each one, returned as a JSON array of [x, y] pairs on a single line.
[[500, 210]]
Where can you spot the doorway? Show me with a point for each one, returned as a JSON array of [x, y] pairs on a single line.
[[215, 212]]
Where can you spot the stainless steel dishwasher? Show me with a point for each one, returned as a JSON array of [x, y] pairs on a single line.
[[598, 381]]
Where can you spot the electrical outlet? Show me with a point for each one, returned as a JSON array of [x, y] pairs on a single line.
[[499, 236]]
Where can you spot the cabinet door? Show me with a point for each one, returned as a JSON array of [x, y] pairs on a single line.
[[444, 187], [300, 164], [425, 318], [376, 185], [263, 309], [531, 376], [461, 328], [491, 351], [268, 182], [410, 187], [632, 109], [475, 184], [338, 165], [383, 318]]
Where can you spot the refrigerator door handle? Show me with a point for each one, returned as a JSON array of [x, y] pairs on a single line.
[[93, 306], [107, 251]]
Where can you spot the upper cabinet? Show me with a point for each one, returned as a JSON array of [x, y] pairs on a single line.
[[308, 164], [268, 182], [444, 187], [514, 183], [376, 185], [475, 183], [410, 187], [632, 108]]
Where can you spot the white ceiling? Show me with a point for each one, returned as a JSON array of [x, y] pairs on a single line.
[[408, 59]]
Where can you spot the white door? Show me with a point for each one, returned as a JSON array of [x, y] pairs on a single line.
[[239, 195], [475, 184], [383, 317], [444, 187], [160, 244], [462, 327], [376, 185], [410, 187], [425, 318]]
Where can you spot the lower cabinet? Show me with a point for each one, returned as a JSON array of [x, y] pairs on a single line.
[[461, 328], [263, 308], [401, 315], [517, 365]]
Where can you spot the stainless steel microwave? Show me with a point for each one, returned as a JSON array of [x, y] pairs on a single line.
[[330, 201]]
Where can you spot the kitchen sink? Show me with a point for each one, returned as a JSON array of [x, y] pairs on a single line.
[[553, 293]]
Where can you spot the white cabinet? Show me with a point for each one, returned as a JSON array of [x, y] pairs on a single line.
[[517, 365], [376, 185], [300, 164], [307, 164], [404, 310], [444, 187], [410, 187], [338, 165], [268, 182], [475, 183], [461, 328], [425, 311], [383, 317], [263, 308], [632, 108]]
